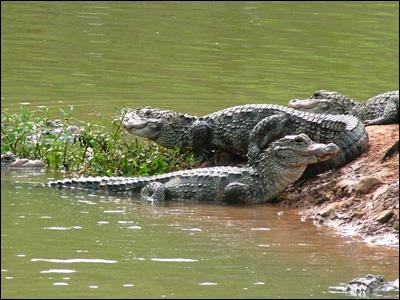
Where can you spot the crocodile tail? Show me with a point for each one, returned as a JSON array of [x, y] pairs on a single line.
[[119, 184], [391, 151]]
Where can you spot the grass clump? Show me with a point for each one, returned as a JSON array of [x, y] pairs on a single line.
[[97, 150]]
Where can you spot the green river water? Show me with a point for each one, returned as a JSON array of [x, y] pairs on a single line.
[[193, 57]]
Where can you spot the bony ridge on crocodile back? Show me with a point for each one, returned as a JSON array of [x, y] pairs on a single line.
[[278, 166], [247, 129], [378, 110]]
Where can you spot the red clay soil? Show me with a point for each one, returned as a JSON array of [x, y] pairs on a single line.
[[360, 199]]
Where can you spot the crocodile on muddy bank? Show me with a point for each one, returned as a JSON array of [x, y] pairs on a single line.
[[378, 110], [247, 129], [280, 165]]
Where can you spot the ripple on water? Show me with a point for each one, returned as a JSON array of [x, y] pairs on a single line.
[[87, 202], [114, 211], [208, 283], [103, 222], [76, 260], [134, 227], [62, 228], [60, 283], [174, 259], [191, 229], [61, 271]]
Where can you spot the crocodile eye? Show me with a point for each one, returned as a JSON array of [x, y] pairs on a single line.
[[317, 94], [147, 113]]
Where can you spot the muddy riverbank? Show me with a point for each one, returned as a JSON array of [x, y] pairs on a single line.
[[361, 199]]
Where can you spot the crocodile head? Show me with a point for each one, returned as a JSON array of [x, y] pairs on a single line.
[[322, 102], [8, 158], [367, 286], [164, 127], [300, 150], [368, 283]]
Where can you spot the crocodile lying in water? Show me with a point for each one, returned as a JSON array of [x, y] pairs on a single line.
[[280, 165], [378, 110], [10, 160], [368, 284], [248, 129]]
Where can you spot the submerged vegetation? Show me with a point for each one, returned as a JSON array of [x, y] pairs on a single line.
[[85, 148]]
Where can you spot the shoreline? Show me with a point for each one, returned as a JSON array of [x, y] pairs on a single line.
[[361, 199]]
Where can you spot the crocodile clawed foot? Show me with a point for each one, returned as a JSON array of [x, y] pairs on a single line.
[[153, 192]]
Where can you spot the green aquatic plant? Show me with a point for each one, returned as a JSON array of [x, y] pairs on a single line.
[[85, 148]]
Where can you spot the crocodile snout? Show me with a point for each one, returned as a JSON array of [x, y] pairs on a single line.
[[298, 103], [293, 101], [323, 150], [134, 125]]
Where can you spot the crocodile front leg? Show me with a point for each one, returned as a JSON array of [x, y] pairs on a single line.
[[266, 131], [153, 192], [237, 192], [200, 139]]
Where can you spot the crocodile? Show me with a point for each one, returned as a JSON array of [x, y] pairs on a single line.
[[247, 129], [378, 110], [52, 129], [10, 160], [278, 166], [368, 284]]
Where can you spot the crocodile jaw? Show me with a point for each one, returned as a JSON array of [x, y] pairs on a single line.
[[309, 105], [310, 154], [145, 128], [322, 152]]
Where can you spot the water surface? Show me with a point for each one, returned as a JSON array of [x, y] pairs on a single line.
[[68, 244], [194, 57]]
